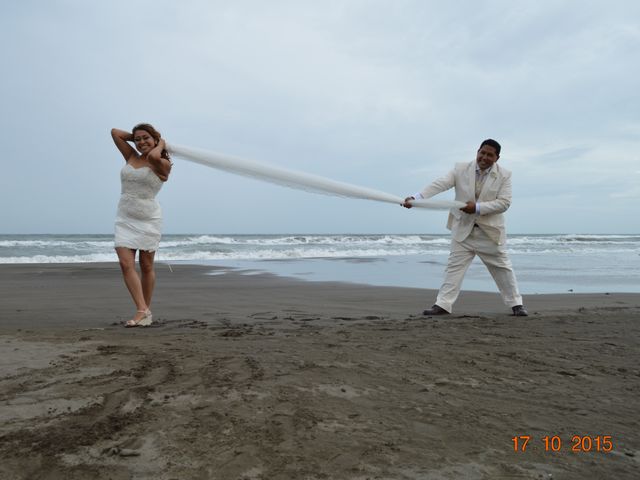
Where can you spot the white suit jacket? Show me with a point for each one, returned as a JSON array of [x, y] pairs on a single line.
[[494, 198]]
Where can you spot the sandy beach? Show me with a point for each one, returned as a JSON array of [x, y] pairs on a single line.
[[253, 376]]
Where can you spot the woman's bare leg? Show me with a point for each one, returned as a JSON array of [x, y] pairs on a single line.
[[148, 275], [127, 258]]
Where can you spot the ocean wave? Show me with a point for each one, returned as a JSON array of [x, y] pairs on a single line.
[[581, 252], [290, 254], [55, 243], [205, 255], [196, 248], [287, 240], [603, 239], [91, 258], [564, 239]]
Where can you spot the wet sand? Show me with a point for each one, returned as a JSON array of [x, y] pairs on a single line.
[[252, 376]]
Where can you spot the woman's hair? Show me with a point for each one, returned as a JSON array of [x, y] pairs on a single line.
[[147, 127]]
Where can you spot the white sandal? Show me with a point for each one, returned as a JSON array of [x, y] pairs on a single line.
[[143, 322]]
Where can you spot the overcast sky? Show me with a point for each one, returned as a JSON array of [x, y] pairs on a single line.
[[383, 94]]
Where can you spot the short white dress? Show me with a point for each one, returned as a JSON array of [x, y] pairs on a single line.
[[139, 217]]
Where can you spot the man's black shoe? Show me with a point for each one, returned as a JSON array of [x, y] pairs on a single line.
[[519, 311], [435, 310]]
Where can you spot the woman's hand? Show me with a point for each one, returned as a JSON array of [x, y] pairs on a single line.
[[155, 155]]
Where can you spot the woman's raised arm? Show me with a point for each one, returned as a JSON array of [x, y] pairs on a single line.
[[121, 139], [160, 165]]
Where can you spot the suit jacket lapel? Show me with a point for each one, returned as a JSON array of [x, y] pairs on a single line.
[[492, 177], [472, 180]]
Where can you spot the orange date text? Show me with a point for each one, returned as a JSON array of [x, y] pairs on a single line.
[[555, 443]]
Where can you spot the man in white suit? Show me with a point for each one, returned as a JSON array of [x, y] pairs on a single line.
[[477, 228]]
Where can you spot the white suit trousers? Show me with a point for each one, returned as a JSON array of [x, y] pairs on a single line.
[[495, 259]]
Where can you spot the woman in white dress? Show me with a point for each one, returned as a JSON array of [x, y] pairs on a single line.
[[139, 218]]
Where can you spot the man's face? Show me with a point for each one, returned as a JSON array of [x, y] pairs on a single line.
[[486, 157]]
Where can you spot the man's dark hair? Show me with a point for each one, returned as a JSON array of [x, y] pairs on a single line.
[[492, 143]]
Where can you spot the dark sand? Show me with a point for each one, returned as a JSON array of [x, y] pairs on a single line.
[[260, 377]]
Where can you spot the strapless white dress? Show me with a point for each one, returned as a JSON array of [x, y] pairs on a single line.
[[139, 217]]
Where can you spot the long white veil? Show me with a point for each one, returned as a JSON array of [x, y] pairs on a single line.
[[297, 179]]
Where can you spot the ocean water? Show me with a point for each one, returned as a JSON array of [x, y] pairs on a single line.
[[543, 263]]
